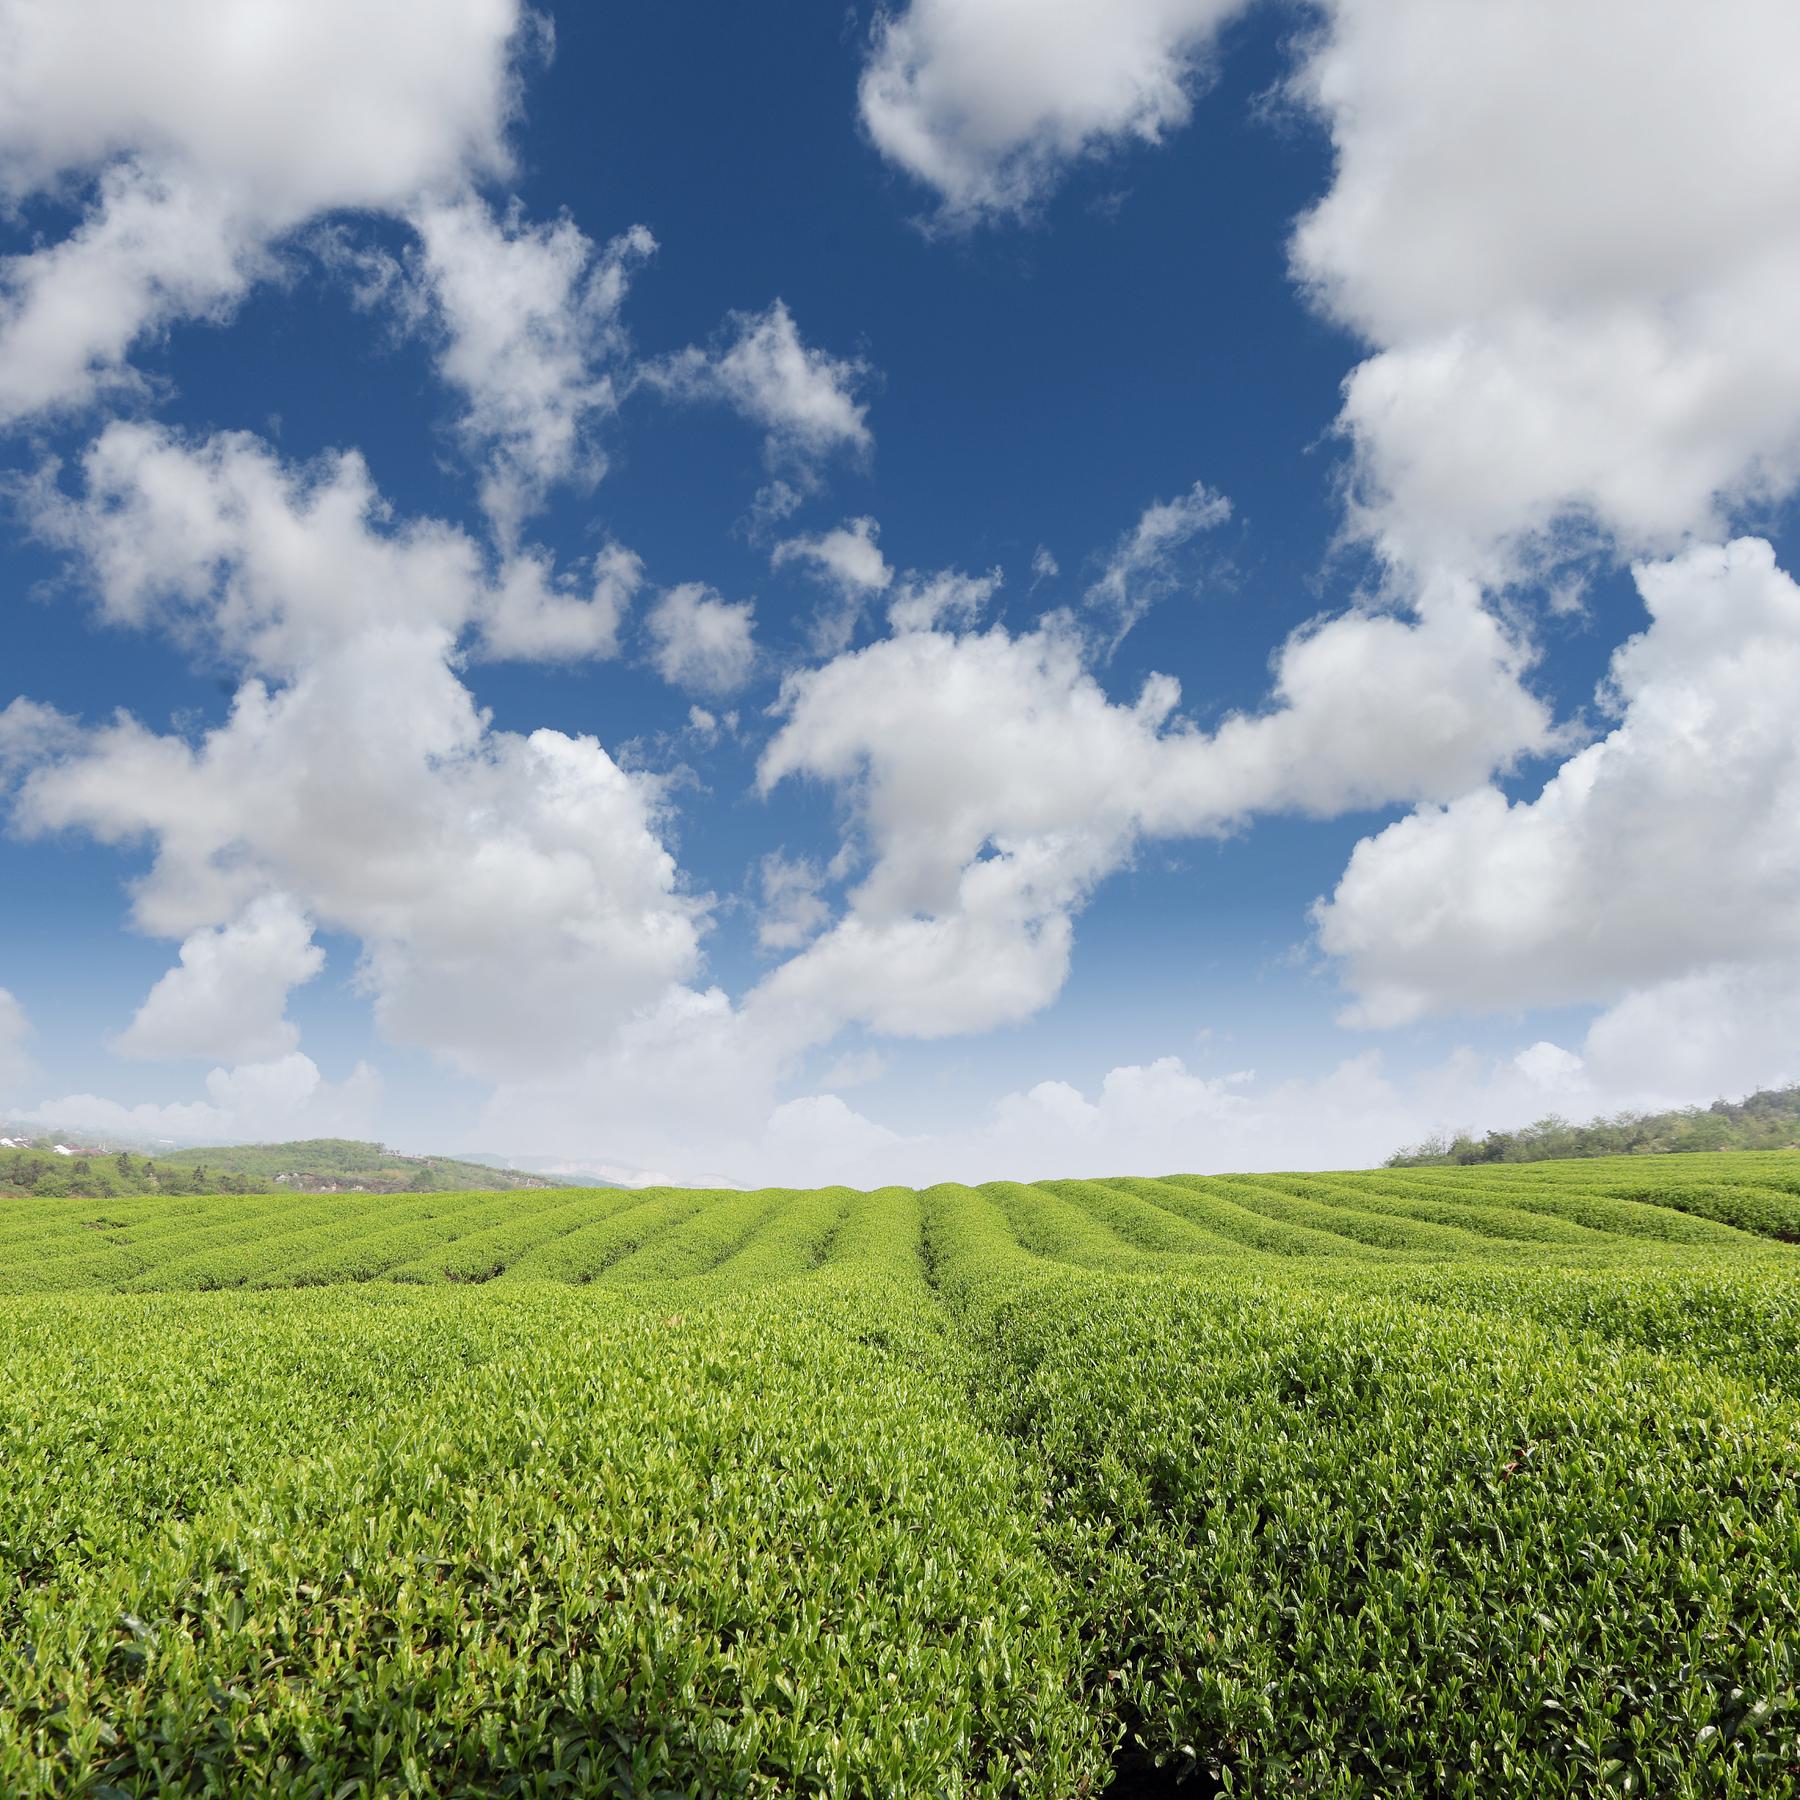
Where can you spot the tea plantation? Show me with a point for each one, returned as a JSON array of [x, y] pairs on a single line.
[[1433, 1482]]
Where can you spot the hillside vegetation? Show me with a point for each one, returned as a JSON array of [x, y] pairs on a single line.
[[1446, 1483], [1768, 1120], [314, 1165]]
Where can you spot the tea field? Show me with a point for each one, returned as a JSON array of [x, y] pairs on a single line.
[[1427, 1482]]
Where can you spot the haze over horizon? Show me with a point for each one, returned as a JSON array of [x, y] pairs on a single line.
[[975, 590]]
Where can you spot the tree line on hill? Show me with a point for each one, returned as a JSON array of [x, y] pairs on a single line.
[[1766, 1120], [315, 1165]]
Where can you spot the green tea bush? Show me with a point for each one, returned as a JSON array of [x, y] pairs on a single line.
[[373, 1253], [1139, 1221], [581, 1255], [483, 1254], [1313, 1211], [1225, 1207], [1444, 1483], [257, 1243], [793, 1239]]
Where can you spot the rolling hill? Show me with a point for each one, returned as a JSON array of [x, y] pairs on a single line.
[[311, 1165]]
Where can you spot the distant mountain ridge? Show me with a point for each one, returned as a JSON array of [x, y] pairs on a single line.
[[1766, 1120]]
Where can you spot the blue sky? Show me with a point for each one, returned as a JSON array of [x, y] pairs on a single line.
[[750, 594]]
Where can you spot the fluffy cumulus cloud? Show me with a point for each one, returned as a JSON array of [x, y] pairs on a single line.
[[535, 613], [252, 560], [194, 142], [700, 641], [1572, 240], [227, 996], [987, 101], [510, 891], [1579, 347], [526, 319], [1670, 845], [995, 783], [847, 557]]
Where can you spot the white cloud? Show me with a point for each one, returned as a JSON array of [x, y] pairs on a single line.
[[533, 614], [1151, 1118], [627, 1109], [259, 1102], [1144, 1106], [996, 784], [526, 316], [510, 892], [988, 101], [1142, 568], [1579, 338], [1367, 709], [1549, 1066], [243, 557], [151, 251], [946, 743], [702, 641], [30, 731], [848, 560], [206, 146], [1711, 1032], [708, 728], [791, 910], [632, 1107], [15, 1031], [250, 559], [1161, 1116], [855, 1068], [819, 1130], [677, 1091], [1571, 234], [1670, 846], [1581, 346], [227, 997], [803, 398], [949, 598], [847, 557]]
